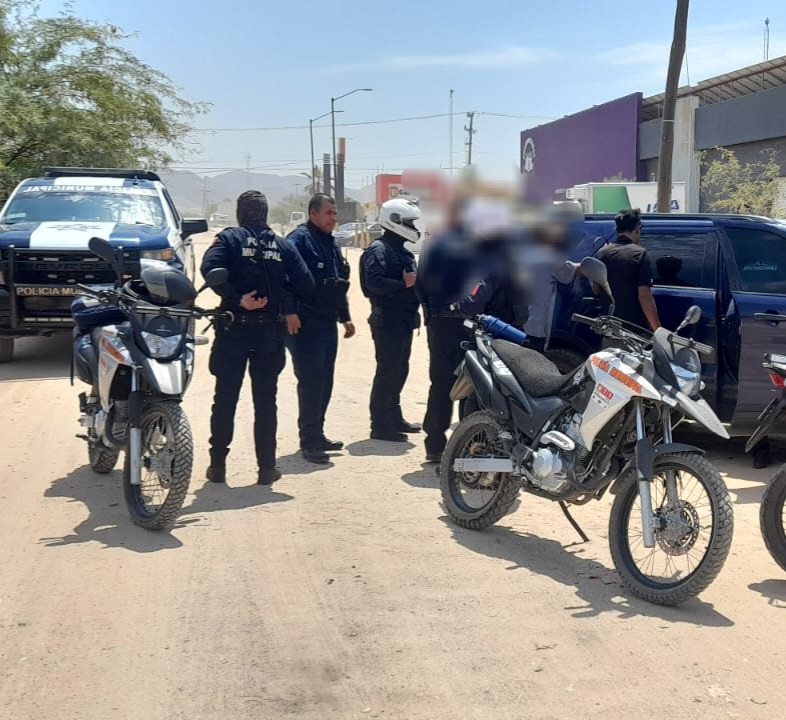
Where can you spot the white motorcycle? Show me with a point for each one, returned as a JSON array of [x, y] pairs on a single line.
[[134, 346], [605, 426]]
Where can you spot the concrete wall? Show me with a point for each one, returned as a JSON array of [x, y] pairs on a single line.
[[747, 119], [685, 159]]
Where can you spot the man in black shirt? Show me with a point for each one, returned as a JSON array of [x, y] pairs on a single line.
[[630, 273]]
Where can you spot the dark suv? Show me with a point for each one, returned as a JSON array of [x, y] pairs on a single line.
[[733, 267]]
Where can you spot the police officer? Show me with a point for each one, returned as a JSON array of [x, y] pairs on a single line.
[[443, 278], [263, 273], [387, 278], [315, 346]]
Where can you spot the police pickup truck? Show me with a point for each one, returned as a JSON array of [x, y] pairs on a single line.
[[45, 226], [733, 267]]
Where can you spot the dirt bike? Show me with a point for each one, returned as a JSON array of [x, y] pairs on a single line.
[[771, 511], [605, 426], [134, 346]]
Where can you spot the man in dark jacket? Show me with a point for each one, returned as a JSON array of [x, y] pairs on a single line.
[[263, 273], [315, 345], [387, 278], [443, 279]]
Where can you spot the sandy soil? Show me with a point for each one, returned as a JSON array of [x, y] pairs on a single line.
[[344, 592]]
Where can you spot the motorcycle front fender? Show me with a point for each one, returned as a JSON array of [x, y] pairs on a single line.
[[701, 412], [167, 378], [768, 417]]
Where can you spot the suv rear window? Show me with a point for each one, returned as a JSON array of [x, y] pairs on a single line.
[[761, 259], [682, 259]]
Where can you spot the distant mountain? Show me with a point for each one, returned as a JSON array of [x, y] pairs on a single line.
[[188, 188]]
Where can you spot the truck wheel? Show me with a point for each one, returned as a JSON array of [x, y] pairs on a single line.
[[6, 350]]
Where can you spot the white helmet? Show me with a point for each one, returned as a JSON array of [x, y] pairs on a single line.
[[399, 216]]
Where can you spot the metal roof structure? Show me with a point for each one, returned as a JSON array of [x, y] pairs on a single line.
[[749, 80]]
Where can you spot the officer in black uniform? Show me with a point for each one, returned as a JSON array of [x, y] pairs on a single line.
[[443, 279], [315, 346], [387, 278], [264, 271]]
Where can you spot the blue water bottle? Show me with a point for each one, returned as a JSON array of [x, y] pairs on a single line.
[[501, 330]]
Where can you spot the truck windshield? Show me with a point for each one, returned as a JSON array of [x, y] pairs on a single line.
[[36, 205]]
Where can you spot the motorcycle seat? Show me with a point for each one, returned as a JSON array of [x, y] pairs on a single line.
[[537, 375]]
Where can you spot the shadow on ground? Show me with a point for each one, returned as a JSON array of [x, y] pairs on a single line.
[[597, 586], [366, 448], [108, 521], [39, 358]]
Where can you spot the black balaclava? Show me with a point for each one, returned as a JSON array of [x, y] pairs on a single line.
[[252, 209]]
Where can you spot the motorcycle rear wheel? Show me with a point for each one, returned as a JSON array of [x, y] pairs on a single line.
[[102, 458], [168, 459], [682, 529], [477, 435], [771, 518]]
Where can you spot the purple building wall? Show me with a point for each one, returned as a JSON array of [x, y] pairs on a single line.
[[589, 146]]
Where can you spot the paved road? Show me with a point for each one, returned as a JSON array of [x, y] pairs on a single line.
[[344, 592]]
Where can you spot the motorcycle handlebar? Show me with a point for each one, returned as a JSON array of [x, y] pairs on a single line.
[[689, 343]]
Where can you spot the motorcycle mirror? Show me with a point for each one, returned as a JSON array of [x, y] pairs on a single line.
[[214, 278], [102, 248], [595, 271], [691, 317]]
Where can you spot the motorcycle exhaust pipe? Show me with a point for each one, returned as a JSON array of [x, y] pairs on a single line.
[[500, 465]]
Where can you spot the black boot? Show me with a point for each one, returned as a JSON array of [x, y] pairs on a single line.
[[217, 472]]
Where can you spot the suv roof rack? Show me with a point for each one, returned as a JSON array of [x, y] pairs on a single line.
[[52, 172], [684, 216]]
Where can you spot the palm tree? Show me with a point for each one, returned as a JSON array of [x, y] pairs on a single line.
[[315, 179]]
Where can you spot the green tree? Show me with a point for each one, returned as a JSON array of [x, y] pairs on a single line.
[[730, 186], [71, 94]]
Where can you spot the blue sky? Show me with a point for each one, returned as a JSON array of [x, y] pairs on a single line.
[[271, 64]]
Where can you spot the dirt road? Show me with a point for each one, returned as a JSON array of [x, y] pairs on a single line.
[[344, 592]]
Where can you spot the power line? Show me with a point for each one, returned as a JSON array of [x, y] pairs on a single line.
[[363, 122]]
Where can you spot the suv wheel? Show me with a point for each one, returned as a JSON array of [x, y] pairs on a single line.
[[565, 359], [6, 350]]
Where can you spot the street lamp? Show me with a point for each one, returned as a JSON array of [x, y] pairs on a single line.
[[333, 122], [311, 133]]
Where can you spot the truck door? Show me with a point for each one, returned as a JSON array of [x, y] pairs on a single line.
[[684, 270], [757, 274]]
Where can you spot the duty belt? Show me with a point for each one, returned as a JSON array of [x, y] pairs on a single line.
[[259, 317], [443, 311]]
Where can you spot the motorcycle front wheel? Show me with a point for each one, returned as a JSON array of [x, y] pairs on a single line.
[[693, 534], [476, 500], [167, 462], [771, 518]]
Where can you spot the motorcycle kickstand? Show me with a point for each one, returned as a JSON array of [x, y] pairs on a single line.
[[564, 507]]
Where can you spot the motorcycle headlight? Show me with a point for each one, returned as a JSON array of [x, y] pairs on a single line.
[[165, 254], [688, 380], [159, 346]]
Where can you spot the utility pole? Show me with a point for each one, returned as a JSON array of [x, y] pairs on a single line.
[[766, 39], [248, 170], [470, 133], [670, 106], [204, 196], [450, 129]]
